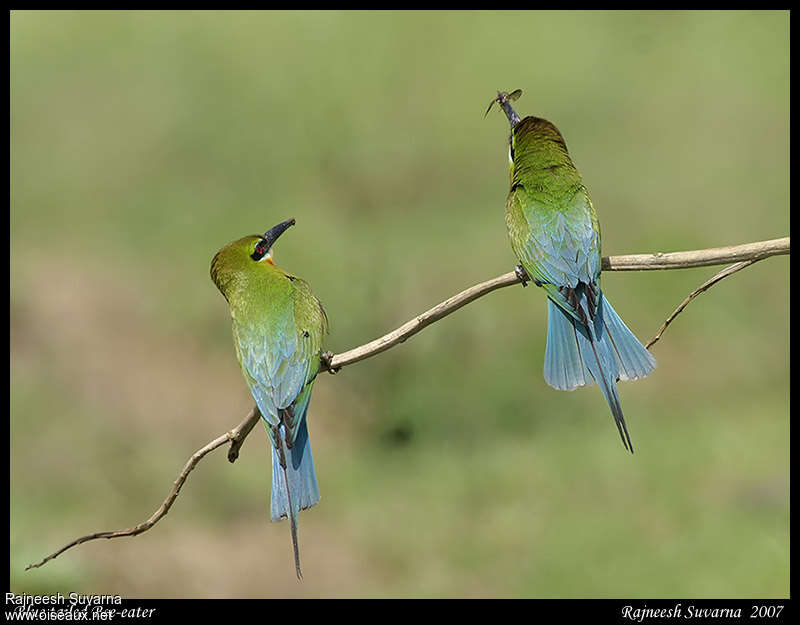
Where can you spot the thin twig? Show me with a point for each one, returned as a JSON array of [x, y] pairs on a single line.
[[701, 289], [240, 432], [748, 254], [236, 437]]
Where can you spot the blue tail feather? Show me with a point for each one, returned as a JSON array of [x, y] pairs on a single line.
[[564, 366], [633, 359], [303, 489], [604, 350], [293, 467], [294, 480]]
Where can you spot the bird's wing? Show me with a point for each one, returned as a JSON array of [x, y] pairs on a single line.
[[280, 357], [311, 323], [558, 242]]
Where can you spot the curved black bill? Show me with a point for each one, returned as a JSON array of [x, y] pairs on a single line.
[[271, 235]]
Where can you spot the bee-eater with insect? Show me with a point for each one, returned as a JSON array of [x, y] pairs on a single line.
[[278, 329], [555, 234]]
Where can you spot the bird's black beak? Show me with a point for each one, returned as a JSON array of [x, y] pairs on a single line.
[[271, 235]]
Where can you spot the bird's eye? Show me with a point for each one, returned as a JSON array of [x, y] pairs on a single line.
[[260, 250]]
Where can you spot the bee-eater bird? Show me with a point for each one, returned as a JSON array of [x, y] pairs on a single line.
[[555, 234], [278, 330]]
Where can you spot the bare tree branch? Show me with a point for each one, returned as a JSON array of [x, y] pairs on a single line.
[[698, 258], [410, 328], [633, 262], [746, 255]]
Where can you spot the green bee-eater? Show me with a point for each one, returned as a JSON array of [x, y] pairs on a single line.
[[555, 234], [278, 329]]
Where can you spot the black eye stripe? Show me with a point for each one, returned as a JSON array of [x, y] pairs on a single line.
[[260, 250]]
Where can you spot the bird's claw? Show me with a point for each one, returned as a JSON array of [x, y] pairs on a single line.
[[326, 358], [523, 277]]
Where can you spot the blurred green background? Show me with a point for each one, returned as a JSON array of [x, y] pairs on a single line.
[[142, 142]]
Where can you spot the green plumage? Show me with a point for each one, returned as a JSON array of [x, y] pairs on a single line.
[[551, 222], [278, 326], [278, 332], [554, 232]]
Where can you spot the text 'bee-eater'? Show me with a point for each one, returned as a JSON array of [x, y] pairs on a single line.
[[555, 234], [278, 329]]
